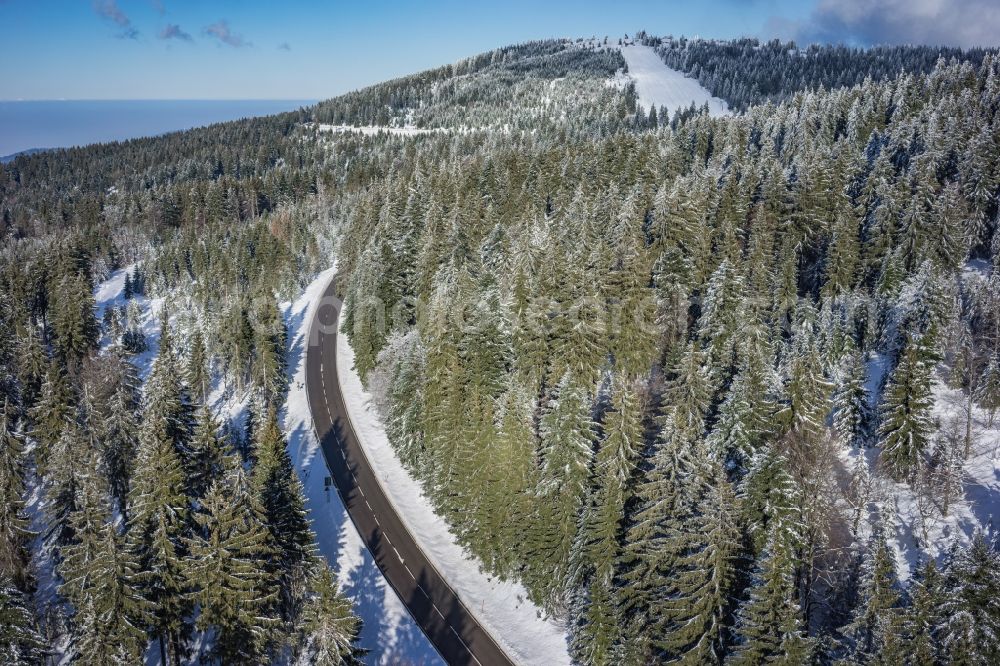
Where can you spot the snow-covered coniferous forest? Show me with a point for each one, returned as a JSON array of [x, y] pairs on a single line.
[[689, 348]]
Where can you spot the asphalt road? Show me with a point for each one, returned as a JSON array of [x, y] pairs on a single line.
[[432, 603]]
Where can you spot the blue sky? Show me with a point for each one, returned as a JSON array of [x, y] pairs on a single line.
[[304, 49]]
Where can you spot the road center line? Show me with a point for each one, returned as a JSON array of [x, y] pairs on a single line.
[[464, 644]]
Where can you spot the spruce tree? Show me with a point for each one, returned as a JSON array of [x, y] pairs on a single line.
[[278, 491], [100, 581], [771, 502], [720, 316], [62, 478], [744, 420], [197, 367], [51, 413], [15, 532], [602, 525], [235, 590], [852, 415], [807, 393], [988, 391], [269, 346], [906, 422], [769, 624], [876, 617], [567, 439], [166, 401], [20, 641], [689, 393], [117, 426], [666, 500], [923, 617], [32, 365], [698, 607], [207, 454], [969, 608], [158, 523], [330, 627], [74, 324], [407, 402]]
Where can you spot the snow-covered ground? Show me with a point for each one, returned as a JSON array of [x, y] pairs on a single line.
[[369, 130], [658, 85], [920, 531], [502, 608], [389, 632]]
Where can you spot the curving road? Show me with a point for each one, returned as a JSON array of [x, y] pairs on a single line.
[[450, 627]]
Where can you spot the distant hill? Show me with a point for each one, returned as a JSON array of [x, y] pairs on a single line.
[[30, 151]]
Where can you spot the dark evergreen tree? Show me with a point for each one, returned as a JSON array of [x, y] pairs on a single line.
[[666, 501], [207, 456], [100, 581], [116, 425], [770, 622], [278, 491], [969, 604], [905, 428], [20, 641], [197, 367], [74, 323], [237, 596], [51, 414], [852, 415], [158, 523], [602, 527], [876, 619], [698, 606], [15, 531], [329, 625]]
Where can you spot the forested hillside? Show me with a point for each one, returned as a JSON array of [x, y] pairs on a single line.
[[712, 389], [138, 519], [747, 71], [678, 381]]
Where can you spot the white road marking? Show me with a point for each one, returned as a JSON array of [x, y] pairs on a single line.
[[463, 643], [410, 572]]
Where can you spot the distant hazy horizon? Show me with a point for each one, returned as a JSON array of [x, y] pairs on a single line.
[[43, 124]]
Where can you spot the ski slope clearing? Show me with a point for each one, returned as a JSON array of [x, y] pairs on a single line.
[[501, 608], [660, 86]]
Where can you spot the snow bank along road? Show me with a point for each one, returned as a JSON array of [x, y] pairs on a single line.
[[447, 623]]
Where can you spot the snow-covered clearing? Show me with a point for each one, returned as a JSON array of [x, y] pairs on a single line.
[[389, 632], [920, 531], [660, 86], [406, 131], [370, 130], [501, 608]]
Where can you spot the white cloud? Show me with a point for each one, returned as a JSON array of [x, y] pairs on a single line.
[[936, 22], [221, 31]]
